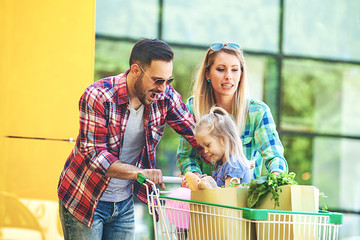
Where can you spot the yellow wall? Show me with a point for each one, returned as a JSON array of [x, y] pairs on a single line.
[[46, 62]]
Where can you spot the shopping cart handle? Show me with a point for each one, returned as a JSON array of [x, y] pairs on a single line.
[[167, 179], [141, 178]]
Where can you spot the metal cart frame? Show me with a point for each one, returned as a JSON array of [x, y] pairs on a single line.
[[186, 219]]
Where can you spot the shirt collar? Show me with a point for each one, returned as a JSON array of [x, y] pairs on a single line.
[[122, 89]]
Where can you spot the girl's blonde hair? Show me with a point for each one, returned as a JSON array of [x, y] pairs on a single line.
[[218, 124], [203, 92]]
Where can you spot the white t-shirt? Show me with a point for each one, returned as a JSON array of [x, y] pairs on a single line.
[[134, 141]]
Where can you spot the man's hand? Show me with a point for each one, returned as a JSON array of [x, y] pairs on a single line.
[[154, 175], [126, 171]]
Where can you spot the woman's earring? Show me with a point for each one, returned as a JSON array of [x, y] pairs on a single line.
[[208, 80]]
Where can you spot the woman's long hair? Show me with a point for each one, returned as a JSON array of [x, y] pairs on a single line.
[[203, 92]]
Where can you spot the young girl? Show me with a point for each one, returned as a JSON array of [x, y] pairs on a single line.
[[222, 81], [217, 133]]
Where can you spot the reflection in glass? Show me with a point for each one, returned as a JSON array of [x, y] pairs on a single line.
[[320, 97], [336, 167], [350, 228], [251, 23], [111, 58], [322, 28], [298, 153], [333, 167], [123, 18]]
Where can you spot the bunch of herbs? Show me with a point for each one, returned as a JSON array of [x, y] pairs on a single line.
[[260, 187]]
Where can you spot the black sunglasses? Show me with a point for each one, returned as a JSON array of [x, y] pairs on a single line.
[[159, 81], [218, 46]]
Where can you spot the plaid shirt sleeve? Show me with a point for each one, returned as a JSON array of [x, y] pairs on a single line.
[[183, 122], [265, 140], [187, 158], [82, 180], [94, 131]]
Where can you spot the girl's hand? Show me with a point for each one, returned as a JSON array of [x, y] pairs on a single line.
[[184, 182]]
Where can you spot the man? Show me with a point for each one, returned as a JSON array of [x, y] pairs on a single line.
[[122, 119]]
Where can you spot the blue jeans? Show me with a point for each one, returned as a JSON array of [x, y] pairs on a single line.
[[112, 220]]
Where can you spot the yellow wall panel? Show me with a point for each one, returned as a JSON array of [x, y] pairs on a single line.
[[35, 167], [46, 62], [47, 58]]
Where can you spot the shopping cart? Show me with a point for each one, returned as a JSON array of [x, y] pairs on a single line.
[[181, 219]]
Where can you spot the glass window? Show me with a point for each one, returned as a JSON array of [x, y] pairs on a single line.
[[186, 64], [262, 74], [320, 97], [350, 228], [111, 57], [335, 168], [207, 21], [322, 28], [125, 18], [298, 153], [330, 164]]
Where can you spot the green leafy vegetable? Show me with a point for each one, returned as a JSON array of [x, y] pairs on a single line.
[[260, 187], [322, 198], [235, 184]]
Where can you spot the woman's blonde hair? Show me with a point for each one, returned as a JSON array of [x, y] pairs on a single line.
[[218, 124], [203, 91]]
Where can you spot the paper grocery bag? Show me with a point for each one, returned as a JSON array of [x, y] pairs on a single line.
[[219, 222], [235, 197], [298, 198]]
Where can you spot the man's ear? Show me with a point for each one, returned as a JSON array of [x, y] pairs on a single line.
[[135, 70]]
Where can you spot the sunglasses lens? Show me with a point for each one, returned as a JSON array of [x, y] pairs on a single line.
[[170, 80], [234, 45], [216, 46], [160, 81]]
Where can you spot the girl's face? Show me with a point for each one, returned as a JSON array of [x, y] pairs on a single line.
[[214, 148], [224, 74]]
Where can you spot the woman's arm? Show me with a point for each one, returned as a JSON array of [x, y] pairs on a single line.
[[267, 141]]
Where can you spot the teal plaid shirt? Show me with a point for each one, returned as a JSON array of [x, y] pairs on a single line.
[[260, 143]]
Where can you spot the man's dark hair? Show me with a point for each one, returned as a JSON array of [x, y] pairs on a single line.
[[146, 50]]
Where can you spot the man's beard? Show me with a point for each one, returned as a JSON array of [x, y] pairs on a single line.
[[139, 90]]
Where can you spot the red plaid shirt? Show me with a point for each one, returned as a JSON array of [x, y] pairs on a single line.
[[104, 113]]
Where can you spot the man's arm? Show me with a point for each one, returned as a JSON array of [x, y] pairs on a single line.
[[126, 171], [182, 121]]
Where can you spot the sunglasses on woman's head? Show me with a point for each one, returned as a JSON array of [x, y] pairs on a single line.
[[159, 81], [218, 46]]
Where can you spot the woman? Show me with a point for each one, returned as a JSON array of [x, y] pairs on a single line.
[[222, 81]]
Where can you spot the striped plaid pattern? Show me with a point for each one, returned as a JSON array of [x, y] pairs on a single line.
[[104, 114], [260, 143]]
